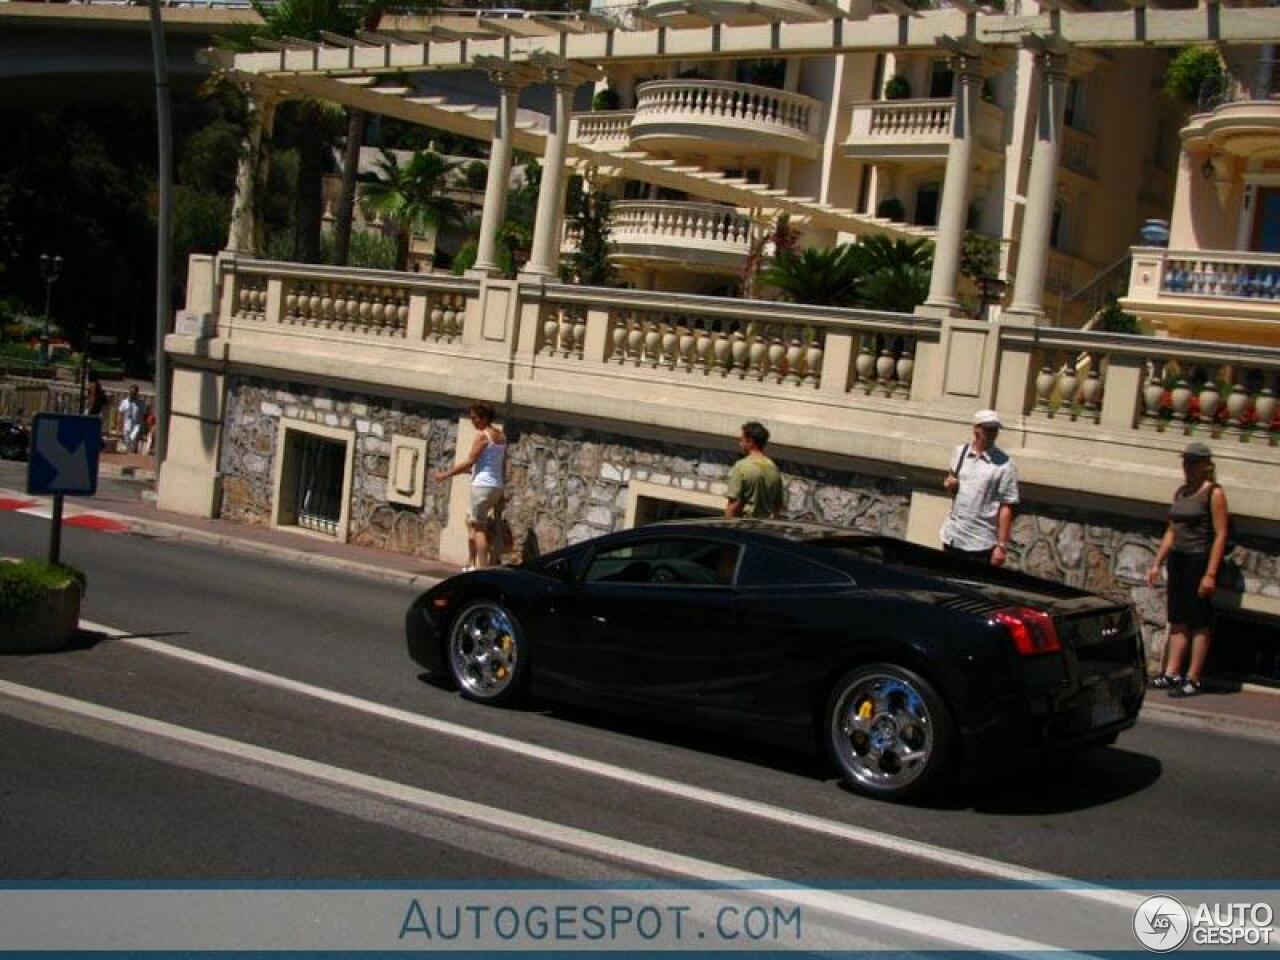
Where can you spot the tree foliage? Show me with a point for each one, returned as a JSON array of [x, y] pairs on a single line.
[[1190, 73], [412, 197], [875, 273], [590, 213]]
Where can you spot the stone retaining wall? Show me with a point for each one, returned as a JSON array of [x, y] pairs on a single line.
[[567, 484]]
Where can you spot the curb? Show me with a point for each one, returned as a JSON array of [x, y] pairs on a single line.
[[1251, 727], [117, 472]]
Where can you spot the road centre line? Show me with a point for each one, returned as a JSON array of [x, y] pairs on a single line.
[[982, 866], [545, 832]]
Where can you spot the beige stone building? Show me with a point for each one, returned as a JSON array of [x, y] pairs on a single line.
[[322, 399], [1217, 278]]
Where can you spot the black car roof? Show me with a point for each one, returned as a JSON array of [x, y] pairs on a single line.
[[793, 530]]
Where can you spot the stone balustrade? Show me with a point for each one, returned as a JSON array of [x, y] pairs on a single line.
[[374, 304], [1148, 384], [919, 123], [1210, 274], [683, 224], [746, 109], [889, 387], [603, 130], [780, 348]]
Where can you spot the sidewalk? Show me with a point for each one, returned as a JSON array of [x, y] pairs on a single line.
[[1249, 711]]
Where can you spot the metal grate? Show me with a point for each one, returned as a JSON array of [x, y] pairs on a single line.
[[318, 494]]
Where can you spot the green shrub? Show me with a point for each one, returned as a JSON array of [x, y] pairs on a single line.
[[897, 87], [23, 583], [1190, 73], [891, 208], [606, 99]]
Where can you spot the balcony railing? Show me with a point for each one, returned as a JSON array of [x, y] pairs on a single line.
[[1222, 275], [669, 108], [604, 130], [687, 227], [869, 384], [917, 125]]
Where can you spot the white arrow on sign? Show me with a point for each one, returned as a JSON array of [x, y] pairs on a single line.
[[70, 467]]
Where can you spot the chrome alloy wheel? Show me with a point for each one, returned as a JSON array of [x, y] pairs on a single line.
[[484, 651], [882, 732]]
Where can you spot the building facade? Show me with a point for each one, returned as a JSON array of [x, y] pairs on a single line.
[[323, 398]]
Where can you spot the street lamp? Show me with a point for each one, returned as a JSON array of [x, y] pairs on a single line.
[[50, 270], [990, 290]]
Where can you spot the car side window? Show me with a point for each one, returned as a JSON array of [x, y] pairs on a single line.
[[666, 562], [762, 567]]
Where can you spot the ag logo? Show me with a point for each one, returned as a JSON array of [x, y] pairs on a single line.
[[1161, 924]]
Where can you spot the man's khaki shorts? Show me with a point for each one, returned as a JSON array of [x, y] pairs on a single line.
[[485, 504]]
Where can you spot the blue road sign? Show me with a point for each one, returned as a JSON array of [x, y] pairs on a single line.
[[64, 454]]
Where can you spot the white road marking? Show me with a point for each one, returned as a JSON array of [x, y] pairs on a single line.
[[902, 846], [543, 831]]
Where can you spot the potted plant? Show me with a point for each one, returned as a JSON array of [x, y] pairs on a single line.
[[897, 87], [39, 605]]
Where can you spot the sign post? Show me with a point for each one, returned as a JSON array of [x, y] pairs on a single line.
[[63, 461]]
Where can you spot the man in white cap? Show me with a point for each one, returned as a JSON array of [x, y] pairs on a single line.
[[984, 488]]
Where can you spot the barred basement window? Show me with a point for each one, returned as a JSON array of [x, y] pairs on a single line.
[[318, 489], [313, 478]]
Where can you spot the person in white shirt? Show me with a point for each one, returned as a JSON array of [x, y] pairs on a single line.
[[131, 414], [983, 484], [487, 461]]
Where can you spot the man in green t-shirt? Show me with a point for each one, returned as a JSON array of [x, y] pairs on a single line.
[[755, 485]]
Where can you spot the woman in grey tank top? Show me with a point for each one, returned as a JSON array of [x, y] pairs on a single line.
[[1194, 543]]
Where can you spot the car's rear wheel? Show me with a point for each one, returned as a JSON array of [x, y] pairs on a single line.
[[488, 653], [888, 731]]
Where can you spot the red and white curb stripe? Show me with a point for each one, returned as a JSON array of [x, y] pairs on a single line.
[[71, 517]]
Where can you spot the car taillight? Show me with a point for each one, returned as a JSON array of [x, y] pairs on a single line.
[[1032, 630]]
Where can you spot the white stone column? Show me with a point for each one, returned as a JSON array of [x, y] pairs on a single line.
[[498, 182], [544, 257], [955, 186], [242, 237], [1042, 184]]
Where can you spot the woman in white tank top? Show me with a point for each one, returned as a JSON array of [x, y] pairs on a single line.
[[487, 462]]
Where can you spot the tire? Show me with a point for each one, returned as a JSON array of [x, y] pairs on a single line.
[[488, 653], [11, 449], [888, 732]]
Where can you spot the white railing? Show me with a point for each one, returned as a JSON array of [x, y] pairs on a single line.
[[702, 341], [922, 121], [761, 109], [602, 129], [367, 303], [1219, 274], [909, 119], [702, 225], [1169, 386]]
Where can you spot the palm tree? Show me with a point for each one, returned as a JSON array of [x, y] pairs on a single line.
[[411, 196], [827, 277], [895, 273]]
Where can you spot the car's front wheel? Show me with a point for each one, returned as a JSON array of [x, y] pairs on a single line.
[[488, 653], [888, 731]]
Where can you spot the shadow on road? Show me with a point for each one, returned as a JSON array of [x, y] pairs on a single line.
[[1066, 783]]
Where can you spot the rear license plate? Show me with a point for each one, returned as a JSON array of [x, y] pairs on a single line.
[[1105, 712]]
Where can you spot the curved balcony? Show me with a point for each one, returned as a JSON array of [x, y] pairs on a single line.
[[697, 237], [1242, 128], [915, 129], [676, 13], [717, 117], [602, 129]]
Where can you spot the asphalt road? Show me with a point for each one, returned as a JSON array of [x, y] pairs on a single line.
[[243, 721]]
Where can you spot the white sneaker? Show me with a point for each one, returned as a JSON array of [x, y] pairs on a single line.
[[468, 568]]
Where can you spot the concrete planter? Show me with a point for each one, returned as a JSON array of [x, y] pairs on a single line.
[[45, 625]]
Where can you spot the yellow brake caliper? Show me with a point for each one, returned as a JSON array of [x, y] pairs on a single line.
[[504, 644]]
